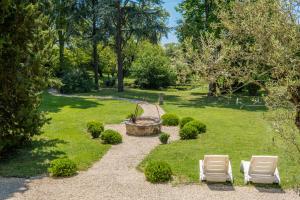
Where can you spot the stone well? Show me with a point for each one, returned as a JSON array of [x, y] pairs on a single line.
[[144, 126]]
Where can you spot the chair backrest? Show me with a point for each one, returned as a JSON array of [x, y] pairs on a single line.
[[216, 164], [263, 165]]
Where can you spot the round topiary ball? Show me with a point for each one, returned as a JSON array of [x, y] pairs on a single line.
[[201, 128], [158, 172], [170, 120], [95, 128], [62, 167], [164, 137], [188, 132], [111, 137], [185, 120]]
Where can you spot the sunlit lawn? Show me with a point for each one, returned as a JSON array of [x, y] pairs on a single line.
[[239, 131], [65, 135]]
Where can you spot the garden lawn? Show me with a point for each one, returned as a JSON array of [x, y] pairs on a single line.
[[238, 130], [65, 135]]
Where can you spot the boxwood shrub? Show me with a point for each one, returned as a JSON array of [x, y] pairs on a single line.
[[185, 120], [188, 132], [95, 128], [158, 172], [170, 120], [201, 128], [164, 137], [62, 167], [111, 137]]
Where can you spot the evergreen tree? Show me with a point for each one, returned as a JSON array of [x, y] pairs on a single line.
[[25, 42]]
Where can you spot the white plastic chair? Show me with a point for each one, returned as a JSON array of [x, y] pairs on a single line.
[[261, 169], [215, 168]]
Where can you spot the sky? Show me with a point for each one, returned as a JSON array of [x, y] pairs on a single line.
[[174, 16]]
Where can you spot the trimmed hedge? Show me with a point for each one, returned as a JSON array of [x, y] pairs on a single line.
[[164, 137], [95, 128], [188, 132], [185, 120], [111, 137], [158, 172], [170, 120], [62, 167], [201, 128]]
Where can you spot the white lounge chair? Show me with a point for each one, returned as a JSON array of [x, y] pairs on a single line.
[[215, 168], [261, 169]]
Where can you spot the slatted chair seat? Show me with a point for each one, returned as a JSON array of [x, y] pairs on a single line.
[[261, 169], [215, 168]]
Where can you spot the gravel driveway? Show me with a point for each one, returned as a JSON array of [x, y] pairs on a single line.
[[115, 177]]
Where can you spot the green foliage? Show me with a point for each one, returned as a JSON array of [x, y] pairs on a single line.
[[77, 81], [197, 17], [95, 128], [164, 137], [107, 59], [111, 137], [158, 172], [179, 61], [170, 119], [25, 50], [201, 128], [185, 120], [62, 167], [188, 132], [152, 67]]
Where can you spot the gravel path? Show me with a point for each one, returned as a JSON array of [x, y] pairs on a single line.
[[115, 177]]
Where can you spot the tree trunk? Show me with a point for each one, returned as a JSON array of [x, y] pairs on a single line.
[[95, 53], [119, 47], [212, 88], [61, 51], [294, 92]]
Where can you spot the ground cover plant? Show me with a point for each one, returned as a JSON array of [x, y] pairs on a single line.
[[95, 128], [188, 132], [62, 167], [164, 137], [185, 120], [111, 137], [201, 128], [158, 172], [169, 119]]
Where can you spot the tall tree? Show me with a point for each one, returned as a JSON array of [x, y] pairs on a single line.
[[260, 44], [131, 19], [96, 27], [198, 18], [24, 68], [62, 14]]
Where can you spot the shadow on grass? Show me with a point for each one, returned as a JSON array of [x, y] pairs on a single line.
[[243, 102], [31, 159], [146, 95], [220, 186], [51, 103]]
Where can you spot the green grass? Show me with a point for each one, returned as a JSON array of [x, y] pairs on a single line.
[[239, 131], [65, 135]]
